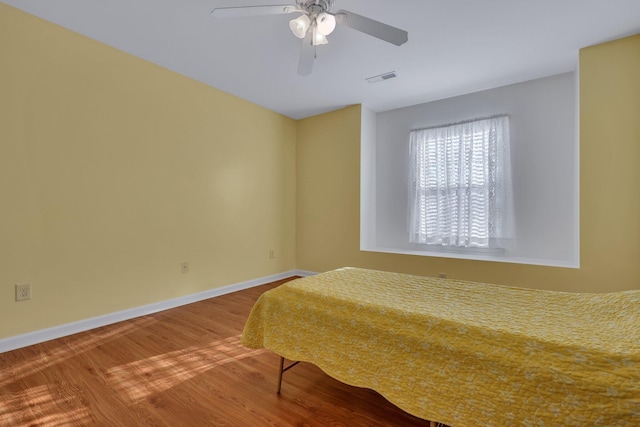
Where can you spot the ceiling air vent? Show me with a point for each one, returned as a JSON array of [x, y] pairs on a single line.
[[381, 77]]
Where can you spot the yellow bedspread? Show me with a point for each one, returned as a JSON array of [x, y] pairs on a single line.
[[462, 353]]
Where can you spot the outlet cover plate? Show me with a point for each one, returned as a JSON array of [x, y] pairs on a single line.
[[23, 291]]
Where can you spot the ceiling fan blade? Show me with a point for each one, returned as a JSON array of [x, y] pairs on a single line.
[[372, 27], [307, 55], [242, 11]]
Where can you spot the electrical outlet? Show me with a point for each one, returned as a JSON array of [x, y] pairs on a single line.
[[23, 291], [184, 267], [442, 275], [272, 254]]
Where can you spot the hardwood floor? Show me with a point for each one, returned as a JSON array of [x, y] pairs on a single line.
[[180, 367]]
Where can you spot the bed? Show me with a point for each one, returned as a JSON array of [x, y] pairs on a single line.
[[462, 353]]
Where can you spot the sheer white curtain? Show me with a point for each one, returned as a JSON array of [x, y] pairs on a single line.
[[460, 185]]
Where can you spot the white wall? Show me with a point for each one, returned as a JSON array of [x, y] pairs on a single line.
[[368, 178], [544, 152]]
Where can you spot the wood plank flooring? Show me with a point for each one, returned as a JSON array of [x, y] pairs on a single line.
[[180, 367]]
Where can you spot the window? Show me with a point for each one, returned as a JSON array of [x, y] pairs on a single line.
[[460, 185]]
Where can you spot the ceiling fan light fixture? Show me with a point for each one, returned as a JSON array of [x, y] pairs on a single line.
[[300, 26], [326, 23], [314, 21], [318, 38]]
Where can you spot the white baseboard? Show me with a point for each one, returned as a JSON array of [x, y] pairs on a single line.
[[43, 335], [305, 273]]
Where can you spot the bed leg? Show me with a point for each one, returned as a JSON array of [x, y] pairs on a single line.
[[280, 372], [283, 370]]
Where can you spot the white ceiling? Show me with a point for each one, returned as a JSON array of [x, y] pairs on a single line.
[[454, 47]]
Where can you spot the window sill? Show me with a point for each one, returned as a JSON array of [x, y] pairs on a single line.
[[476, 254]]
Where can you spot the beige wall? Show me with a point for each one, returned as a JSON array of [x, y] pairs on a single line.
[[610, 164], [113, 171], [328, 161]]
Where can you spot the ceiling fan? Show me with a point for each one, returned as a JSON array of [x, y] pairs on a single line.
[[315, 23]]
